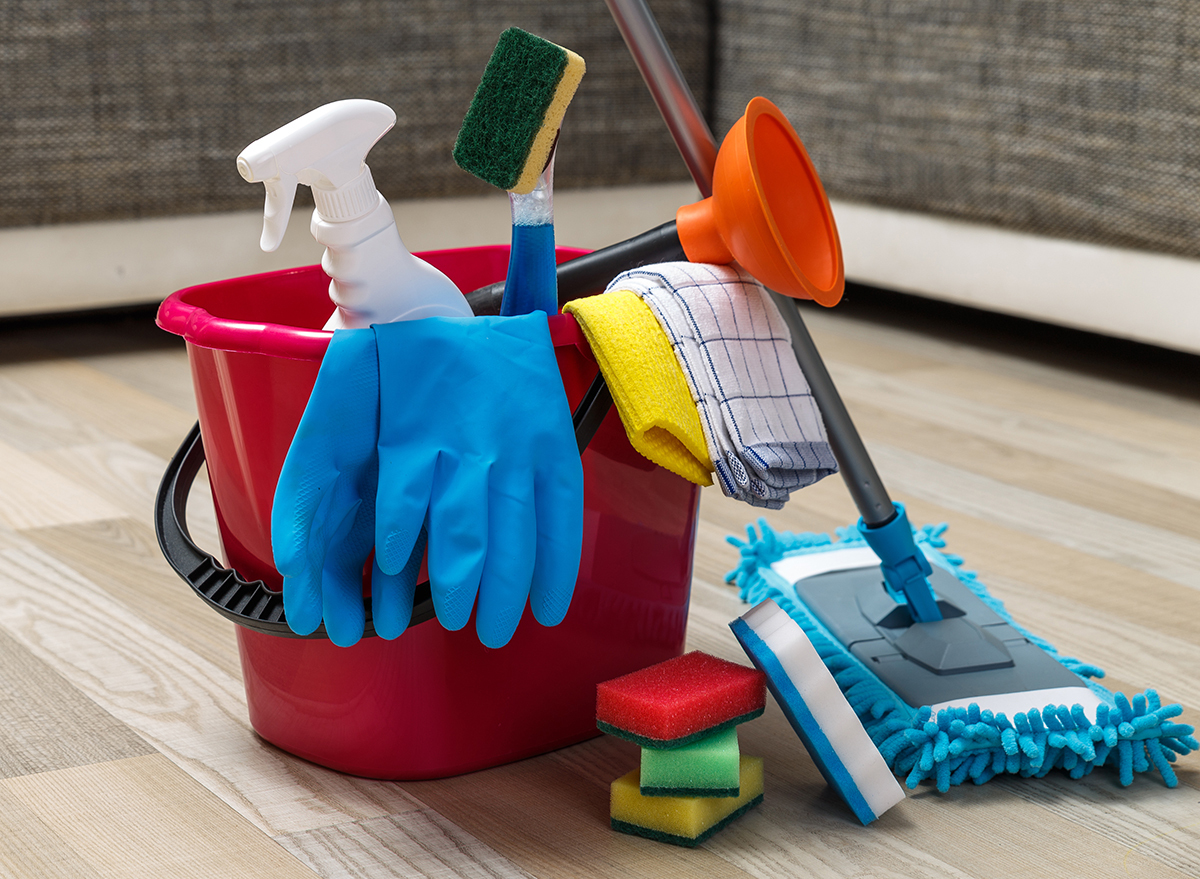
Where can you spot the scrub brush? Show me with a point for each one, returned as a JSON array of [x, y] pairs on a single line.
[[818, 712], [508, 139]]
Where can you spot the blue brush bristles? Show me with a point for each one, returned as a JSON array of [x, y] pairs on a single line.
[[966, 743]]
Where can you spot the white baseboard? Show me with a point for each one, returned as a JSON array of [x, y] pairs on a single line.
[[1130, 294], [128, 262]]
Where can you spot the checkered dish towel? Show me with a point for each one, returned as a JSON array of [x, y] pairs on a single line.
[[764, 432]]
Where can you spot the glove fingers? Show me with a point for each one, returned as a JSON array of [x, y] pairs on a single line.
[[511, 549], [333, 554], [298, 495], [401, 502], [457, 525], [560, 538], [392, 594], [334, 441], [323, 546], [302, 603], [342, 593]]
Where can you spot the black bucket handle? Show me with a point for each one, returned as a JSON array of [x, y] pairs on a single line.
[[250, 603]]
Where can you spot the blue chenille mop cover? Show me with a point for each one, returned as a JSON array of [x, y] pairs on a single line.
[[1133, 735]]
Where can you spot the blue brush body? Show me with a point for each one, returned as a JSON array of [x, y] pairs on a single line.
[[532, 281], [825, 753], [1132, 735]]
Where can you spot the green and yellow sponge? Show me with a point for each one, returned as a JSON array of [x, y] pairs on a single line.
[[686, 821], [513, 121]]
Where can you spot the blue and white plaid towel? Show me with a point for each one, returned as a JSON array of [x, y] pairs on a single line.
[[763, 429]]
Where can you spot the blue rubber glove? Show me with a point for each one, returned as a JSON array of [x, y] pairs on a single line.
[[476, 443], [323, 516]]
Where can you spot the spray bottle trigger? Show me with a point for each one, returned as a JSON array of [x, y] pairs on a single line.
[[281, 194]]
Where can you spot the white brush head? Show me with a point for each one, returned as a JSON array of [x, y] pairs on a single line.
[[817, 710]]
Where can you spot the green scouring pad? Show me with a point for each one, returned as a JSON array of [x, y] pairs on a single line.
[[707, 768], [513, 120]]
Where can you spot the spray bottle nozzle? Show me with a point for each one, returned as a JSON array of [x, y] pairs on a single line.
[[324, 149]]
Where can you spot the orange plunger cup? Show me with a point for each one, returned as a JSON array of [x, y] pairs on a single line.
[[768, 211]]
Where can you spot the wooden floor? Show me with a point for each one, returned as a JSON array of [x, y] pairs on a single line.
[[1068, 469]]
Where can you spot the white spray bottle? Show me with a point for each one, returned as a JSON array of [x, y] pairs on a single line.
[[375, 279]]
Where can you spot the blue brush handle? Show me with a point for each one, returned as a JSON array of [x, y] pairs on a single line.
[[532, 282]]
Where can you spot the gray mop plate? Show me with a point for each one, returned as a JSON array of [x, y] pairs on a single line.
[[972, 651]]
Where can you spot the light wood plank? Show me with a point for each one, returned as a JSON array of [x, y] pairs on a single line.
[[1123, 380], [48, 724], [1084, 413], [104, 404], [1149, 825], [1065, 480], [118, 471], [28, 423], [122, 557], [189, 709], [1104, 535], [161, 372], [32, 850], [36, 496], [417, 843], [143, 817], [1043, 382], [1118, 644], [1172, 463]]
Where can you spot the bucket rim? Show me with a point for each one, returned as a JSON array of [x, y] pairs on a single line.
[[182, 317], [198, 326]]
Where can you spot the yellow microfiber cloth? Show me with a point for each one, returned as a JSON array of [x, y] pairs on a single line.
[[646, 382]]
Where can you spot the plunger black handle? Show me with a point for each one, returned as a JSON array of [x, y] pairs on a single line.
[[589, 274], [858, 471]]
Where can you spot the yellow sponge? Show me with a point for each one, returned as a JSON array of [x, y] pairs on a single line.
[[646, 381], [686, 821]]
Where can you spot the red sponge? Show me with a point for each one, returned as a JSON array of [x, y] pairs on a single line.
[[680, 701]]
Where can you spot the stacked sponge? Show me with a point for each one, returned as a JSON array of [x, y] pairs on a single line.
[[684, 713]]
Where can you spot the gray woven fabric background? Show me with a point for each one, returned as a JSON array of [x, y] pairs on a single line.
[[111, 109], [1076, 119]]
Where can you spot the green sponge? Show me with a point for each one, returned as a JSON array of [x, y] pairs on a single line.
[[707, 768], [513, 121]]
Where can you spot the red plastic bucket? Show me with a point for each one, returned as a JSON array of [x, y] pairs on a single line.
[[432, 702]]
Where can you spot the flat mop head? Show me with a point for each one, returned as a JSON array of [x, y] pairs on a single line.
[[513, 121], [954, 739]]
